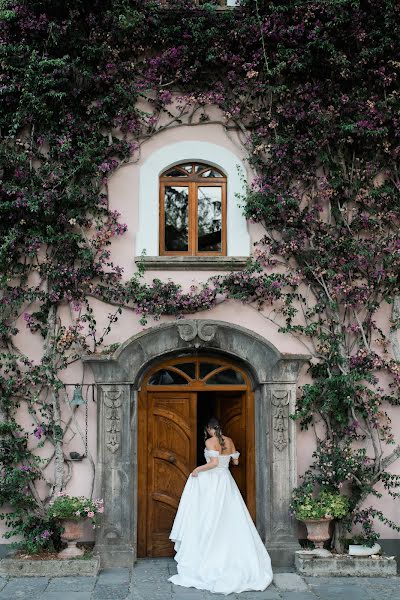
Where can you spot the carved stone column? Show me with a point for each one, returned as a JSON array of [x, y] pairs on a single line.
[[281, 465], [114, 478]]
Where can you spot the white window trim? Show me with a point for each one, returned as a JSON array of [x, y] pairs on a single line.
[[147, 237]]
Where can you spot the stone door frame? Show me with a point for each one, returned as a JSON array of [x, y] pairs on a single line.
[[118, 377]]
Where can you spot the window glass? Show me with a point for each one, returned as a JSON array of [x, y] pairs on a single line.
[[175, 173], [200, 168], [166, 377], [211, 173], [176, 201], [226, 377], [209, 203], [206, 368], [188, 368]]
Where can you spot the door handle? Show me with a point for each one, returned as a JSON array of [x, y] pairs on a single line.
[[171, 459]]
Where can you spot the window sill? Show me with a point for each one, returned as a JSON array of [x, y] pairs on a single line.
[[193, 263]]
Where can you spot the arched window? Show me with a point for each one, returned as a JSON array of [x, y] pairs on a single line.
[[193, 210]]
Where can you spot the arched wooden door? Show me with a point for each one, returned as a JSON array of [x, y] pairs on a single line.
[[173, 397]]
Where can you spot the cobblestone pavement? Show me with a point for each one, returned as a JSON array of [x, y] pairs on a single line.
[[149, 581]]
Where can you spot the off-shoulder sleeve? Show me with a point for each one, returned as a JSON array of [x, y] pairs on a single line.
[[235, 455], [212, 452]]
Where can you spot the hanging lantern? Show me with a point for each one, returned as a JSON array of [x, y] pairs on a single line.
[[77, 398]]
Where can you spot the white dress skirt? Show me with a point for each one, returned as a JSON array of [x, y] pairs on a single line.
[[217, 545]]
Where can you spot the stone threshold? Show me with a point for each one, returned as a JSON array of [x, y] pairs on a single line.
[[192, 263], [343, 565], [19, 567]]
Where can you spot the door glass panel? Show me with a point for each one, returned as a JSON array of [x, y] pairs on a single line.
[[166, 377], [188, 368], [206, 368], [176, 203], [209, 219], [227, 377], [187, 168]]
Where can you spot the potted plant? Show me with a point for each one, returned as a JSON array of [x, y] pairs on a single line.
[[365, 542], [317, 512], [72, 512], [362, 546]]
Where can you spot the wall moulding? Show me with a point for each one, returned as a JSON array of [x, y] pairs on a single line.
[[147, 240], [274, 379]]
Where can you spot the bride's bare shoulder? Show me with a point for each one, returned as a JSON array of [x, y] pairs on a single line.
[[211, 444]]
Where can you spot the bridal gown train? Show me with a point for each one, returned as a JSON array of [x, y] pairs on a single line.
[[217, 545]]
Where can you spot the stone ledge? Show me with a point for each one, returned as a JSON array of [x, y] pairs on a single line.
[[344, 566], [18, 567], [193, 263]]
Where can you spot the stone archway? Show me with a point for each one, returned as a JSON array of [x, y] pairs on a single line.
[[118, 376]]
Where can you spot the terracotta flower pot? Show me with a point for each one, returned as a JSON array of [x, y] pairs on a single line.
[[318, 531], [73, 531]]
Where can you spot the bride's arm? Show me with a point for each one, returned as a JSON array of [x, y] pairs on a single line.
[[235, 455], [211, 465]]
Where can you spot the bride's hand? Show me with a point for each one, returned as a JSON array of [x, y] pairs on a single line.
[[195, 473]]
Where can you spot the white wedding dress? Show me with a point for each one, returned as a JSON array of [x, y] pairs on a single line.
[[217, 545]]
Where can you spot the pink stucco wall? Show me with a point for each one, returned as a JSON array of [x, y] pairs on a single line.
[[124, 190]]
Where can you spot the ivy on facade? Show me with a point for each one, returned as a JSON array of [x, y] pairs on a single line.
[[311, 90]]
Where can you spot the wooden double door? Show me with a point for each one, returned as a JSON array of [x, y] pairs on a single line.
[[171, 441]]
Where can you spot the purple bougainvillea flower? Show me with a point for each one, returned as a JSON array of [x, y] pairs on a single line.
[[38, 432]]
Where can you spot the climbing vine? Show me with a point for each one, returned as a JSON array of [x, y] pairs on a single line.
[[311, 91]]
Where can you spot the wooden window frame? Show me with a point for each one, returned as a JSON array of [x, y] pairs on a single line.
[[193, 182]]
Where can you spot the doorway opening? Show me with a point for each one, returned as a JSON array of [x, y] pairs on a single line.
[[227, 407], [175, 402]]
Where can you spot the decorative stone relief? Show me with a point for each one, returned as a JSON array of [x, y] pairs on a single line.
[[112, 534], [204, 330], [280, 417], [113, 403]]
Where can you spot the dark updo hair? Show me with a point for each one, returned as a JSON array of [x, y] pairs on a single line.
[[213, 423]]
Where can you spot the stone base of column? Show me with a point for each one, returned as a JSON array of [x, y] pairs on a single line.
[[282, 553], [115, 556]]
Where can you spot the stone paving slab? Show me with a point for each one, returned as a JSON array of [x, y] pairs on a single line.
[[24, 588], [355, 588], [71, 584], [66, 595], [149, 581], [182, 593], [298, 596], [111, 591], [289, 582], [271, 593], [114, 576], [347, 591]]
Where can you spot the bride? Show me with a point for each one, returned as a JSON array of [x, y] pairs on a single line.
[[217, 545]]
